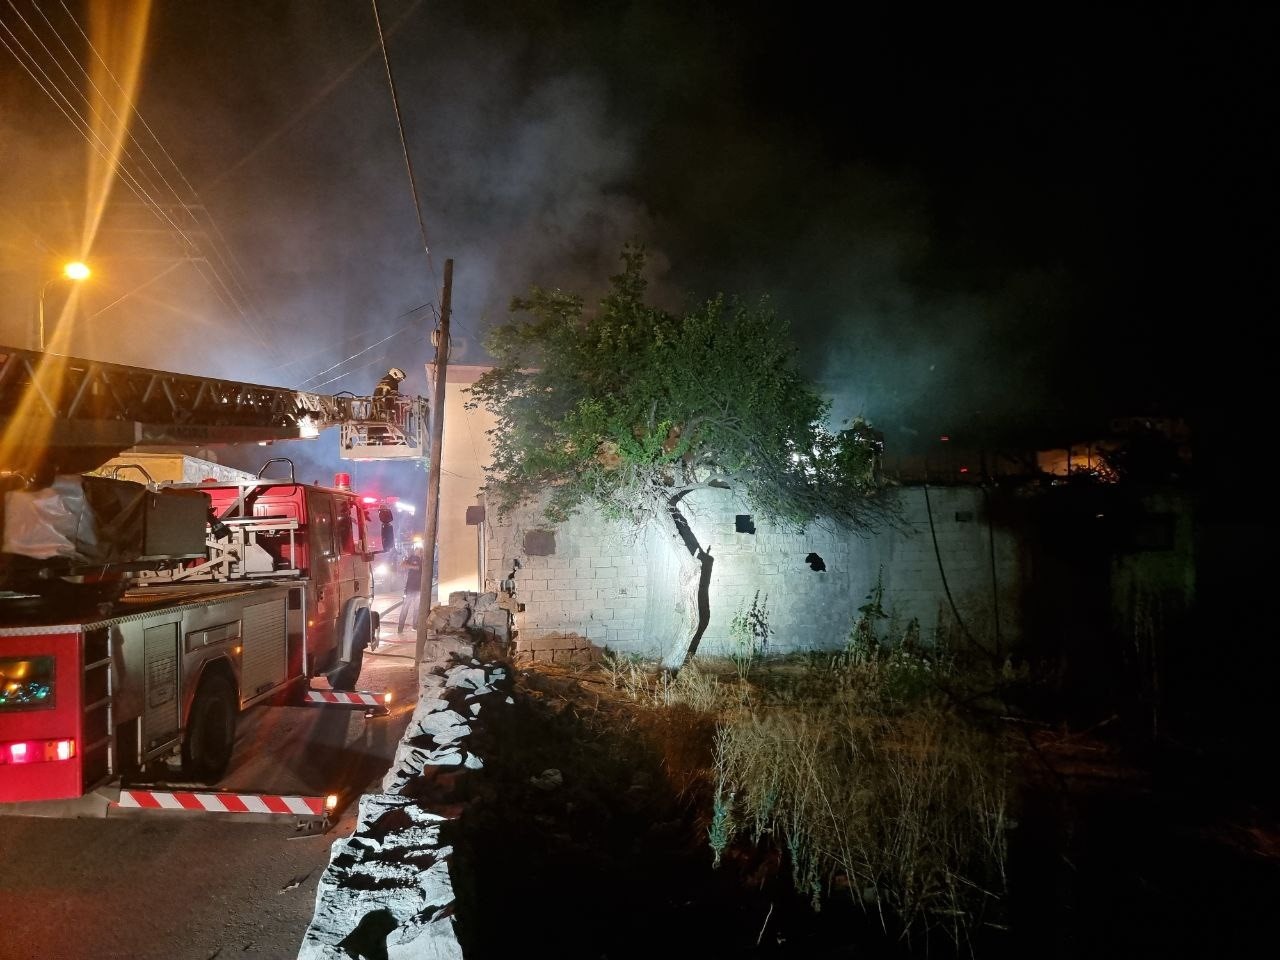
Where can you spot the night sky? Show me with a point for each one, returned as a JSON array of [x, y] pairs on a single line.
[[1004, 224]]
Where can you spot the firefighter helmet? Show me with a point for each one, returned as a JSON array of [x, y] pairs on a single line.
[[395, 373]]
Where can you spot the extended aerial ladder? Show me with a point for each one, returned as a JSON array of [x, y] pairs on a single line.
[[62, 414]]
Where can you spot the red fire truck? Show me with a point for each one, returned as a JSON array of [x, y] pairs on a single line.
[[95, 692], [138, 620]]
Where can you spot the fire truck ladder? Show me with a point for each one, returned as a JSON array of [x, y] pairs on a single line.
[[98, 719], [74, 407]]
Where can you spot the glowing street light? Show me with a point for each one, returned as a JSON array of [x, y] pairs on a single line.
[[75, 271]]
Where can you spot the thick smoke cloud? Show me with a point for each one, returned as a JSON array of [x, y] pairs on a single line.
[[520, 177], [967, 235]]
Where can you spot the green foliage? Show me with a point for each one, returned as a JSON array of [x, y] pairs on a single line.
[[749, 631], [630, 406], [722, 827], [871, 612]]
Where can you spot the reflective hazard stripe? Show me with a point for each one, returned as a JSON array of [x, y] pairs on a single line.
[[358, 697], [221, 802]]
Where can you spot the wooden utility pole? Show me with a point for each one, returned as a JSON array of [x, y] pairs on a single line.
[[433, 467]]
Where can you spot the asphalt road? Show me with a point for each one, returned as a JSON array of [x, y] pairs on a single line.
[[170, 887]]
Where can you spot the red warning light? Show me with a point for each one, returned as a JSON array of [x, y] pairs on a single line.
[[368, 499], [964, 469], [944, 438], [342, 481]]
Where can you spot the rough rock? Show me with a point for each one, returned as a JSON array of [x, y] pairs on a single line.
[[494, 623], [548, 779], [378, 875], [450, 619], [485, 602]]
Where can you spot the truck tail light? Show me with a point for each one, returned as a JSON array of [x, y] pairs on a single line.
[[37, 751]]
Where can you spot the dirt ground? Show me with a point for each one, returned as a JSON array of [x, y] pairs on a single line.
[[610, 858]]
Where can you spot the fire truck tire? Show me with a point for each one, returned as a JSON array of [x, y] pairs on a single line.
[[346, 675], [211, 730]]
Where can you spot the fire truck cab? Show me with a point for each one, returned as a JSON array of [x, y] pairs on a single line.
[[322, 536]]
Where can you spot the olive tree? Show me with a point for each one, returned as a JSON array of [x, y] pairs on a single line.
[[631, 408]]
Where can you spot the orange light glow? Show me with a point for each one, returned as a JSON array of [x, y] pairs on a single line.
[[117, 33]]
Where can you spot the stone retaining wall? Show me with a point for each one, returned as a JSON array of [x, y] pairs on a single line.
[[387, 890]]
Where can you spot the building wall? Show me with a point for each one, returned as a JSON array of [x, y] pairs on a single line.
[[464, 454], [619, 587]]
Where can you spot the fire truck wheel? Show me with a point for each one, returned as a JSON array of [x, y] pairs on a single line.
[[346, 675], [211, 731]]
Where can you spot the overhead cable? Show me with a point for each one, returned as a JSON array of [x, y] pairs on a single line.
[[404, 143]]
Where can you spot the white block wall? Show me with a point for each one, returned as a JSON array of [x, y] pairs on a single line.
[[617, 586]]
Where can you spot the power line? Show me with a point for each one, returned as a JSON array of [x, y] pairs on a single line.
[[349, 359], [146, 283], [107, 151], [234, 264], [404, 143], [51, 89], [121, 124], [297, 115], [407, 313], [82, 126], [88, 102]]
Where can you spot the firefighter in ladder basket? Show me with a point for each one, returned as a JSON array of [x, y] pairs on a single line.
[[386, 393]]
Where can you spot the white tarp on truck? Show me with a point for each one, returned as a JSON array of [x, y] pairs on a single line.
[[96, 520]]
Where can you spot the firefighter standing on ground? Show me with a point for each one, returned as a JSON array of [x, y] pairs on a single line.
[[412, 588]]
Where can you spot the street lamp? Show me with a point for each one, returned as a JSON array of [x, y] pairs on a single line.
[[75, 270]]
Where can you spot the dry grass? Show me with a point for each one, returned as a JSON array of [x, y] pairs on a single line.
[[861, 771]]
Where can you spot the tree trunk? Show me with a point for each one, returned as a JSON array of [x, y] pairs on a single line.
[[692, 588]]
